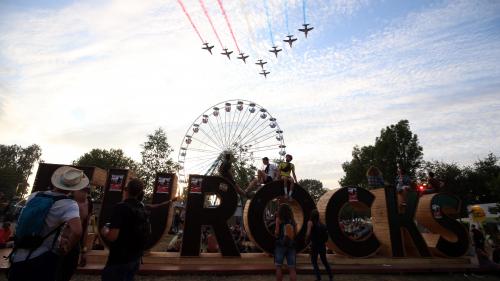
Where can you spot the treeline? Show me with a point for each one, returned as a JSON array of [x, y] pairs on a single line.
[[16, 162], [398, 146]]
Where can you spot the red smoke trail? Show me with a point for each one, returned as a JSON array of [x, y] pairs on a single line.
[[211, 23], [228, 24], [190, 20]]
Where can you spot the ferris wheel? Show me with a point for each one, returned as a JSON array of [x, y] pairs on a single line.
[[243, 128]]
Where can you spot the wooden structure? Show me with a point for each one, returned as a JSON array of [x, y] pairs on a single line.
[[161, 263], [97, 176], [165, 188], [116, 181], [329, 208]]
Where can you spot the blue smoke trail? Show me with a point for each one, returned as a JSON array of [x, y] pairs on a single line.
[[269, 22], [286, 17], [304, 10]]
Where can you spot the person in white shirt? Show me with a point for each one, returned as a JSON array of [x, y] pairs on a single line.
[[41, 263], [267, 174]]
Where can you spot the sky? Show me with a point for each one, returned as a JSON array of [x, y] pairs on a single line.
[[77, 75]]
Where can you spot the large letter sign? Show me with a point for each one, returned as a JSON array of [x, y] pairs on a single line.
[[256, 228], [198, 215], [329, 207], [164, 189], [395, 232], [396, 229], [438, 213]]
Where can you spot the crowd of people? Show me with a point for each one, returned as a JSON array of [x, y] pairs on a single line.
[[51, 232]]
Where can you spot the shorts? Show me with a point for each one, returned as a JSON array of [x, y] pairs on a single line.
[[280, 252]]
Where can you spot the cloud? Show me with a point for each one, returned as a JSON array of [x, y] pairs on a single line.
[[106, 73]]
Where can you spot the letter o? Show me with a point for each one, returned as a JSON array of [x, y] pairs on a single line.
[[253, 215]]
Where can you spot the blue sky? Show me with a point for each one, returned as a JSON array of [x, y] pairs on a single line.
[[76, 75]]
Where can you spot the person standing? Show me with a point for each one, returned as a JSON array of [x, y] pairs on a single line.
[[285, 230], [40, 261], [127, 235], [318, 235], [287, 170], [78, 255]]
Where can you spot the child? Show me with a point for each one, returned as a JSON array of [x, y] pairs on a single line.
[[285, 169]]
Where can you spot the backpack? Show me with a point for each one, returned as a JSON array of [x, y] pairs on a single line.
[[287, 234], [142, 224], [32, 219]]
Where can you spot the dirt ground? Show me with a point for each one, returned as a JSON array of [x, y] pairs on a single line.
[[340, 277]]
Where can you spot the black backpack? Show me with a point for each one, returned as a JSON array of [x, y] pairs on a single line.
[[142, 224]]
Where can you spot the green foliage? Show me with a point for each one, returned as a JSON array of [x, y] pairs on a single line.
[[313, 187], [156, 158], [106, 159], [396, 145], [16, 164], [479, 183]]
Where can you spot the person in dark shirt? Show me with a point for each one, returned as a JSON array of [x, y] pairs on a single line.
[[225, 171], [125, 235], [315, 231]]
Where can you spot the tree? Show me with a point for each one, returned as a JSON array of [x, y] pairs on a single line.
[[479, 183], [313, 187], [396, 146], [156, 158], [16, 164], [106, 159]]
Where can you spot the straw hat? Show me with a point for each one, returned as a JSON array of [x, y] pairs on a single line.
[[69, 178]]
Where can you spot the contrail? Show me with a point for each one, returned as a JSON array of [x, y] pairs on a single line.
[[228, 25], [211, 23], [190, 20], [286, 17], [304, 3], [269, 22], [252, 38]]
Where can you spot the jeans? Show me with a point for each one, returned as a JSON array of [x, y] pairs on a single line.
[[41, 268], [120, 272], [321, 251], [280, 252]]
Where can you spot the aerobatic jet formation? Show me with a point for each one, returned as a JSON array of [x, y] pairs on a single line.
[[226, 53], [208, 48], [261, 63], [240, 55], [275, 50], [306, 29], [290, 40], [243, 57], [264, 72]]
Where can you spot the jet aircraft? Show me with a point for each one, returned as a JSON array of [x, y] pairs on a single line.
[[208, 48], [243, 57], [275, 50], [306, 29], [226, 53], [290, 40]]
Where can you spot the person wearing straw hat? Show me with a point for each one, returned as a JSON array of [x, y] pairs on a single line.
[[39, 261]]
